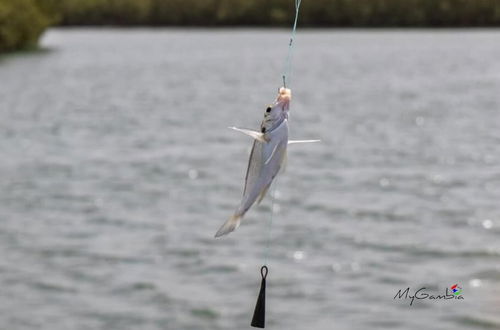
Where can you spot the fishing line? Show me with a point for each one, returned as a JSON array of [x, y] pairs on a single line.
[[270, 223], [259, 315], [287, 72]]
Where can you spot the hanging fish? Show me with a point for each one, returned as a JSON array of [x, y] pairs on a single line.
[[266, 158]]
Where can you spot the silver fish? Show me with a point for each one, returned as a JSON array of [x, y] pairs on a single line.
[[266, 158]]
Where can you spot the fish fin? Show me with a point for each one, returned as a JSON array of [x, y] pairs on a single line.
[[272, 154], [256, 135], [229, 226], [302, 141], [263, 193]]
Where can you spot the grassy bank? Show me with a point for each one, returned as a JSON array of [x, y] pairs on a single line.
[[23, 21]]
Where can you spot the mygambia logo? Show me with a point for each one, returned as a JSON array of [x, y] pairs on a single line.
[[456, 289], [454, 293]]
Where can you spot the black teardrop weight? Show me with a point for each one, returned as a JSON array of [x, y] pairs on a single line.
[[259, 314]]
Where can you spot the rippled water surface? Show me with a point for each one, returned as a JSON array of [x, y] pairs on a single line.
[[117, 168]]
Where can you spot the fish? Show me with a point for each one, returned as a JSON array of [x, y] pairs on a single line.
[[268, 155]]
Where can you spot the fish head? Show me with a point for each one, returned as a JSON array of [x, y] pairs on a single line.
[[277, 112], [279, 109]]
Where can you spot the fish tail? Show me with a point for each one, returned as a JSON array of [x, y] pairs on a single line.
[[229, 226]]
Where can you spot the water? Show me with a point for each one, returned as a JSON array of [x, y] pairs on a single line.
[[117, 169]]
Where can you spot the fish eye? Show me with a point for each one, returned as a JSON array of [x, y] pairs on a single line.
[[269, 109]]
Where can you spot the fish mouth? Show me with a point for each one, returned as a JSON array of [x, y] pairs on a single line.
[[284, 97], [285, 94]]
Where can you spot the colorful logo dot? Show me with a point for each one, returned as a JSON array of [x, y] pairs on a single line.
[[456, 290]]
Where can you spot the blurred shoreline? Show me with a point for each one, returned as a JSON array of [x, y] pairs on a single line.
[[22, 22]]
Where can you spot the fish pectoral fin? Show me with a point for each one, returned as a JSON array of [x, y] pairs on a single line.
[[263, 193], [272, 154], [256, 135], [302, 141]]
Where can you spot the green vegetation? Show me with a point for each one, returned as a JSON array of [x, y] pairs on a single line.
[[23, 21], [335, 13]]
